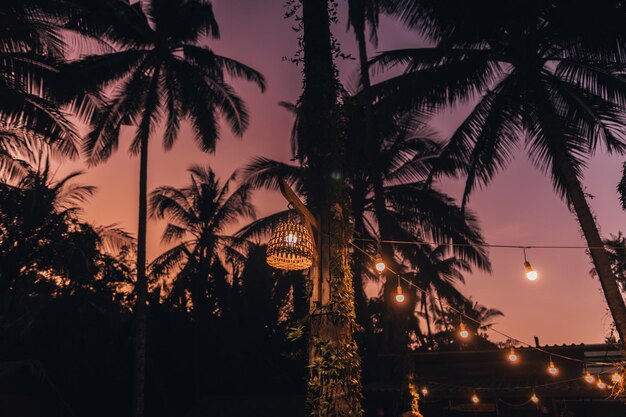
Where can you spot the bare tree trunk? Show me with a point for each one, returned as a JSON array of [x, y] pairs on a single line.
[[141, 289], [594, 241]]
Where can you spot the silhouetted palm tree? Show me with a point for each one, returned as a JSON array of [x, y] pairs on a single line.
[[31, 50], [540, 81], [160, 74], [199, 217]]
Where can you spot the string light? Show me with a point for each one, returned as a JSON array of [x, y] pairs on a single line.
[[616, 377], [399, 295], [534, 398], [600, 383], [475, 398], [531, 274], [589, 378], [379, 264], [552, 370], [513, 356], [462, 329], [424, 391]]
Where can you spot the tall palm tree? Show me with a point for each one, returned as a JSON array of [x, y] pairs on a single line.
[[538, 80], [322, 147], [160, 74]]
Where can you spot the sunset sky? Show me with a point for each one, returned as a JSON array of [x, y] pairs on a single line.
[[564, 305]]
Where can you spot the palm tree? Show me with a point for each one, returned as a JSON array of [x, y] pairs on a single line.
[[537, 77], [437, 274], [31, 51], [322, 147], [393, 202], [199, 217], [160, 75]]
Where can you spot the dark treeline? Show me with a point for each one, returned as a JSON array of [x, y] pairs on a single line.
[[82, 310]]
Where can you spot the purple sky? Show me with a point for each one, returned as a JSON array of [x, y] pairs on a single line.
[[564, 305]]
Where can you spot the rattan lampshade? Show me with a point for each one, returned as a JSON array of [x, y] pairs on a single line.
[[291, 247]]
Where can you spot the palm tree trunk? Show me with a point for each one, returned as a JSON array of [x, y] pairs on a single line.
[[380, 209], [598, 254], [336, 391], [427, 316], [360, 297], [396, 314], [141, 289], [363, 65]]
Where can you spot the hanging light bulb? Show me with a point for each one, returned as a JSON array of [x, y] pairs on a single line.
[[534, 398], [379, 264], [616, 377], [424, 391], [531, 274], [552, 370], [589, 378], [513, 356], [399, 295], [600, 383], [475, 398], [463, 331]]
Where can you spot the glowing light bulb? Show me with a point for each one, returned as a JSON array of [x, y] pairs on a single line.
[[291, 238], [534, 398], [379, 264], [589, 378], [424, 391], [552, 370], [601, 383], [513, 356], [616, 377], [399, 295], [531, 274], [475, 399], [463, 331]]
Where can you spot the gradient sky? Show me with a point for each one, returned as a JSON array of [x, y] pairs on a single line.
[[565, 305]]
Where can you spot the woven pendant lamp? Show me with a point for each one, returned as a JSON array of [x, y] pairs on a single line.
[[290, 247]]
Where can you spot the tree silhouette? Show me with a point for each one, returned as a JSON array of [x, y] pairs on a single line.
[[541, 81], [199, 217], [160, 74]]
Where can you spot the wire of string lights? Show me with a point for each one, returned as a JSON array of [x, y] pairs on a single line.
[[463, 316], [429, 386], [483, 245]]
